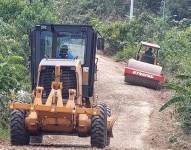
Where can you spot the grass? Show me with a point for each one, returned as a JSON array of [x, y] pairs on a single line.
[[172, 139], [4, 133]]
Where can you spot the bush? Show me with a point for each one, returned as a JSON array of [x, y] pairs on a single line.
[[127, 52], [181, 99], [176, 54], [16, 19]]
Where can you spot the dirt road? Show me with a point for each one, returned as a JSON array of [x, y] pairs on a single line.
[[139, 125]]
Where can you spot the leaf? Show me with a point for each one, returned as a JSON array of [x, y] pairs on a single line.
[[15, 60], [183, 76], [178, 88], [171, 101]]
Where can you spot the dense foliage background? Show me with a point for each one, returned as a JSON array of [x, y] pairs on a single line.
[[16, 19], [166, 22]]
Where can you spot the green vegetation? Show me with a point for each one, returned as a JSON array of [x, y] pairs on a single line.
[[169, 27], [172, 139], [16, 19], [4, 133], [182, 99]]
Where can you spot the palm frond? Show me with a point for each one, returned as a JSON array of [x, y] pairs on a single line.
[[178, 88], [171, 101], [183, 76]]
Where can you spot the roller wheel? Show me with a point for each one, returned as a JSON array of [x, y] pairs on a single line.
[[99, 128], [36, 139], [126, 79], [136, 80], [19, 135]]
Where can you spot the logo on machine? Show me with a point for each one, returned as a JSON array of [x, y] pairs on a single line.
[[143, 74], [85, 69]]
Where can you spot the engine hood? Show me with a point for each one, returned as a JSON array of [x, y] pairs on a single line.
[[60, 62]]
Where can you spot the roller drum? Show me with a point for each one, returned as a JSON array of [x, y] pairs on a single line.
[[145, 67]]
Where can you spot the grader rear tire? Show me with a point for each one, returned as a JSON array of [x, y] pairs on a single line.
[[19, 135], [99, 128]]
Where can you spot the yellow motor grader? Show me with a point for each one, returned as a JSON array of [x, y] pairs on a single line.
[[63, 68]]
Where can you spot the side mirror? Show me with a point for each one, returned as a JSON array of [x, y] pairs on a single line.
[[100, 43]]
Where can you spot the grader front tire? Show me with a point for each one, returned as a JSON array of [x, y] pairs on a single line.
[[99, 129], [108, 115], [19, 135]]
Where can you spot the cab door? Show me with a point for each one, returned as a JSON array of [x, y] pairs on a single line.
[[41, 47]]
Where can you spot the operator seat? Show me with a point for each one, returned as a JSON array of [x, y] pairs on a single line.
[[148, 59], [148, 56]]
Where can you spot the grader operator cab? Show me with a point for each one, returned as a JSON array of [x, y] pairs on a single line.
[[63, 68]]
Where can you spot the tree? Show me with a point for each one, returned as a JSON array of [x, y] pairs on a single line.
[[81, 11], [10, 9], [180, 9], [17, 17]]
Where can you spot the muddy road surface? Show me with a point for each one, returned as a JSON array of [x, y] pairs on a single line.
[[139, 125]]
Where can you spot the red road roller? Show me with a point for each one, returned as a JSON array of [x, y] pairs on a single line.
[[145, 70]]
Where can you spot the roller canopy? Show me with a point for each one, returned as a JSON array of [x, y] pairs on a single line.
[[150, 45]]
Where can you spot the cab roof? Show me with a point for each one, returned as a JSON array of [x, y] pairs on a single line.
[[152, 45]]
